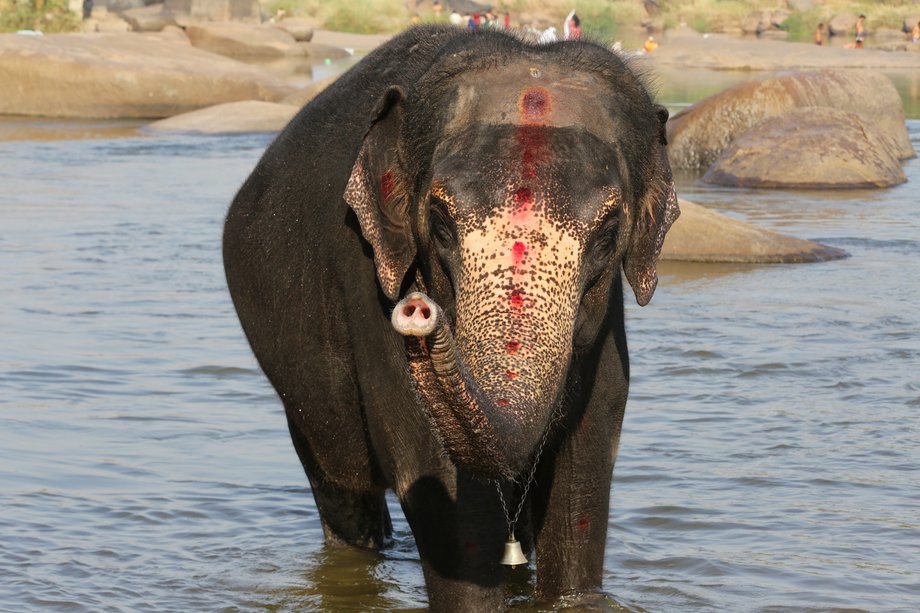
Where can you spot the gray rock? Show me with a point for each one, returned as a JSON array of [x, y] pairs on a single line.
[[808, 148], [121, 75], [698, 134], [148, 19], [186, 11], [841, 25], [242, 40], [301, 29], [702, 235]]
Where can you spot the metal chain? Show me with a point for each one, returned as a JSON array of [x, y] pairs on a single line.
[[533, 471]]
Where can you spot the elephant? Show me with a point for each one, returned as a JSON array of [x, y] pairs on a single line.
[[427, 263]]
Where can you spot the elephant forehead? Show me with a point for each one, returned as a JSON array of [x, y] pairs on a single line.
[[533, 93], [521, 239]]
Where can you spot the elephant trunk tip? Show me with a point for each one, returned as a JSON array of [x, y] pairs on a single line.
[[415, 315]]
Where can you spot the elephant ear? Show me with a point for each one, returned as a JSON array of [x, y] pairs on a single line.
[[378, 194], [657, 212]]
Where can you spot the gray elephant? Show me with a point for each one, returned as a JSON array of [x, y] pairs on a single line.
[[427, 265]]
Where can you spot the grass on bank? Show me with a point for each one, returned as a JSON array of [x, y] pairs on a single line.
[[43, 15]]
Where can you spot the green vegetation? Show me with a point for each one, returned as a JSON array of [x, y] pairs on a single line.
[[43, 15]]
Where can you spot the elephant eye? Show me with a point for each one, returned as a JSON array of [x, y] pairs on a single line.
[[605, 242], [441, 226]]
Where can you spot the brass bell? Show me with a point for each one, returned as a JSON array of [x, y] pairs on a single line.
[[513, 555]]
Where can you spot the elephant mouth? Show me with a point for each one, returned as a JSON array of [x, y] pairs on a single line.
[[486, 429]]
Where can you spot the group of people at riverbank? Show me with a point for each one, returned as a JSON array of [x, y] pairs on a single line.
[[859, 29]]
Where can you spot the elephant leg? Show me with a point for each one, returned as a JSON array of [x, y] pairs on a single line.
[[572, 499], [349, 515], [460, 532]]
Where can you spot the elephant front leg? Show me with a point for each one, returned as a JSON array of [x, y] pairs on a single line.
[[571, 507], [460, 532]]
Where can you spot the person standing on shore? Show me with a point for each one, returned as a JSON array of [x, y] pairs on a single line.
[[860, 31], [915, 33], [819, 34], [572, 26]]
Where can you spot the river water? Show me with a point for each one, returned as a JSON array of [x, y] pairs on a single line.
[[770, 457]]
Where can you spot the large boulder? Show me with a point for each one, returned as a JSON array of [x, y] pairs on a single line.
[[702, 235], [242, 40], [230, 118], [841, 25], [187, 11], [698, 135], [148, 19], [298, 27], [121, 75], [833, 149]]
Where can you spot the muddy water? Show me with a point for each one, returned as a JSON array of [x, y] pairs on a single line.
[[770, 457]]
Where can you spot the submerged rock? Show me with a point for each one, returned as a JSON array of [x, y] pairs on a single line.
[[808, 148], [699, 134], [701, 235], [230, 118]]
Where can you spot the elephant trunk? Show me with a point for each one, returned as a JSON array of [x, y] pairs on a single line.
[[481, 435]]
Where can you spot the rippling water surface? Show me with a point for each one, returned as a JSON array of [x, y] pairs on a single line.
[[770, 457]]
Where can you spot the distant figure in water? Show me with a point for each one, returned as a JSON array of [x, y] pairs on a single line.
[[87, 9], [915, 34], [819, 34], [650, 44], [860, 31]]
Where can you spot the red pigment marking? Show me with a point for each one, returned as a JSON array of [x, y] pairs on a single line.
[[502, 402], [511, 347], [523, 197], [518, 251], [583, 523], [517, 298], [387, 184], [532, 141], [510, 374], [534, 104]]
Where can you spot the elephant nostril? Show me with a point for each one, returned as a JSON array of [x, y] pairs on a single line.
[[408, 310]]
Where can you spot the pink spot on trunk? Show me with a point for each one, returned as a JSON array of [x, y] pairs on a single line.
[[516, 298], [502, 402], [387, 184], [518, 251], [583, 523], [510, 374], [511, 347]]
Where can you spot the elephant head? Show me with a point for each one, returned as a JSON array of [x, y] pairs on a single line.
[[504, 192]]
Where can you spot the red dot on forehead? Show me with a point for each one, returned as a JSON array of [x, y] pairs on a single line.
[[518, 248], [535, 103], [523, 196]]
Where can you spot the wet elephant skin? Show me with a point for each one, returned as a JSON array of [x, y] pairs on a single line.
[[498, 188]]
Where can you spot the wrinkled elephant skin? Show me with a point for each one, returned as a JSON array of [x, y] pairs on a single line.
[[427, 264]]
